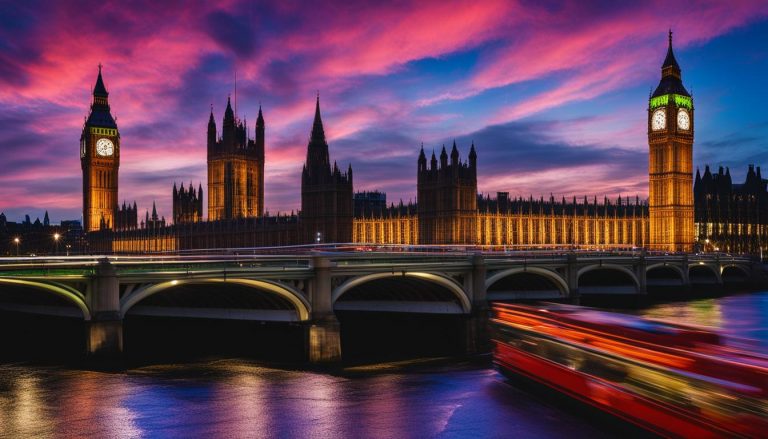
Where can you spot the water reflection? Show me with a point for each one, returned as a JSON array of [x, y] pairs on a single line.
[[239, 399], [744, 316]]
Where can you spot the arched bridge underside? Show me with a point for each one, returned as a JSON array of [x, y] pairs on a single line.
[[43, 297], [526, 283], [232, 299], [406, 292], [607, 279], [735, 274], [665, 275]]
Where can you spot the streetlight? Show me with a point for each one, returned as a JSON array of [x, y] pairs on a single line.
[[56, 237], [17, 241]]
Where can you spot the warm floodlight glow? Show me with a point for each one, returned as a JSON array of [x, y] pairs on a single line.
[[16, 240], [56, 236]]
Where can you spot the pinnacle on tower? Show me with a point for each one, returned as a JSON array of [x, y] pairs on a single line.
[[318, 133], [671, 82], [670, 60], [229, 114], [472, 156], [99, 89], [422, 157]]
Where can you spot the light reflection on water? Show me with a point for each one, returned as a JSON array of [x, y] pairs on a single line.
[[744, 315], [233, 398]]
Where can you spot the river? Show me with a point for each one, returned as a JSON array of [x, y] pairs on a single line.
[[238, 398]]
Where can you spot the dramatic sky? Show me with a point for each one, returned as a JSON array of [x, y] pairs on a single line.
[[554, 94]]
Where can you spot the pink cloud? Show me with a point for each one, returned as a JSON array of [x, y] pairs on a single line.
[[164, 65]]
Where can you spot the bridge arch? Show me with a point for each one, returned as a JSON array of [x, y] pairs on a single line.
[[704, 274], [664, 274], [547, 274], [667, 266], [455, 289], [597, 289], [741, 268], [299, 302], [70, 294], [734, 273]]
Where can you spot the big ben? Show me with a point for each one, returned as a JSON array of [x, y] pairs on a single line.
[[99, 160], [670, 164]]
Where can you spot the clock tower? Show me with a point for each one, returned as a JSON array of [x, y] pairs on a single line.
[[99, 160], [670, 164]]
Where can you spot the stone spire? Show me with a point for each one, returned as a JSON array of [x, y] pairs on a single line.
[[99, 89], [318, 133]]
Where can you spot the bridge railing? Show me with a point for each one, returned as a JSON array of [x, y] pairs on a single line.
[[242, 261]]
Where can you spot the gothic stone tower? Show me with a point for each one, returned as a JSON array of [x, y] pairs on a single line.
[[447, 199], [670, 164], [326, 192], [99, 160], [235, 169]]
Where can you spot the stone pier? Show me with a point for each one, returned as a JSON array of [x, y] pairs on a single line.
[[104, 336], [324, 332]]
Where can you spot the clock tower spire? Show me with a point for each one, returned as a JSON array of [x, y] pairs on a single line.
[[99, 160], [670, 163]]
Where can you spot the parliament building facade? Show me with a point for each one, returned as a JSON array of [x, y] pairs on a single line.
[[448, 210]]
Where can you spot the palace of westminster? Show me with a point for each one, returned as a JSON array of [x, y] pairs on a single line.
[[711, 213]]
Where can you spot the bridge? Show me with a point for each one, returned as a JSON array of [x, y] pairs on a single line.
[[309, 289]]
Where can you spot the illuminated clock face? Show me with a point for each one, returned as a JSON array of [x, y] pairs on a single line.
[[683, 120], [659, 120], [105, 147]]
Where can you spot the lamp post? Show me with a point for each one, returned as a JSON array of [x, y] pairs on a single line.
[[56, 238], [16, 240]]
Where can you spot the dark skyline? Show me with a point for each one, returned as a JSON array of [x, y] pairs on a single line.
[[547, 94]]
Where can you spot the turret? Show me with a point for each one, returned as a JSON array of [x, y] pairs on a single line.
[[422, 162], [443, 159], [211, 131], [454, 155], [473, 157], [433, 161], [228, 128], [260, 134]]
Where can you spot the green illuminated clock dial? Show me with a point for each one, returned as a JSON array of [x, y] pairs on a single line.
[[105, 147], [683, 120], [659, 120]]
